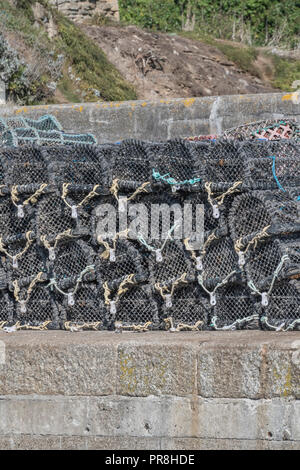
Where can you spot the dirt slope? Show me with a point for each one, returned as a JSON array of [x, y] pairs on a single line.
[[168, 66]]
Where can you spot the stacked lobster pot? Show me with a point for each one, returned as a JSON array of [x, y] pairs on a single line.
[[176, 235]]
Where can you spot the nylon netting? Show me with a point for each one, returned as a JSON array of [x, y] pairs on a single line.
[[74, 256]]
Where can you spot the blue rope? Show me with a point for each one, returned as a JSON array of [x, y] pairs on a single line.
[[170, 180], [274, 173]]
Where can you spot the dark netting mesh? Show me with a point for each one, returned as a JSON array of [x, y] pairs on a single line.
[[169, 262], [219, 261], [85, 306], [12, 225], [118, 259], [283, 309], [235, 309], [6, 308], [135, 309], [72, 256], [53, 217], [187, 310], [25, 166], [130, 165], [173, 166], [263, 261]]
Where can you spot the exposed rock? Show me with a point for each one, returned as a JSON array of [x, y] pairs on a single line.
[[79, 10]]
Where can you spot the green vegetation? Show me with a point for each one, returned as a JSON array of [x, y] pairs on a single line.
[[96, 77], [285, 72], [256, 22]]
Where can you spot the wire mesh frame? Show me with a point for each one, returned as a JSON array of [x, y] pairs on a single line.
[[72, 257], [188, 308], [255, 129], [35, 307], [271, 172], [283, 309], [25, 166], [86, 307], [219, 163], [235, 309], [124, 261], [6, 307], [25, 258], [136, 308], [254, 211], [173, 166]]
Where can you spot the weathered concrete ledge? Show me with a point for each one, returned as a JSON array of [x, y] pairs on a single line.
[[164, 119], [155, 390]]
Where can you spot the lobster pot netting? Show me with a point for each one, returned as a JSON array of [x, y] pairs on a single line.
[[189, 309], [221, 163], [53, 217], [25, 258], [266, 129], [85, 307], [173, 166], [170, 263], [37, 307], [72, 257], [219, 262], [130, 166], [44, 123], [283, 309], [135, 308], [235, 309], [6, 307], [262, 263], [10, 223], [118, 260], [25, 166], [272, 172]]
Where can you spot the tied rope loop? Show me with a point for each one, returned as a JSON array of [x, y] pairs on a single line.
[[237, 322], [66, 234], [218, 200], [123, 287], [29, 242], [108, 250], [87, 198], [32, 199], [138, 328], [220, 284], [238, 246], [70, 295], [265, 295], [73, 327], [16, 287], [182, 326], [114, 189], [167, 293], [198, 259]]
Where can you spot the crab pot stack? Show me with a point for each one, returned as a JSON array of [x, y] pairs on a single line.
[[67, 263]]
